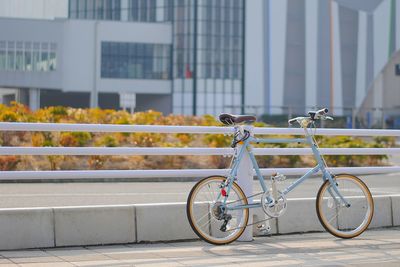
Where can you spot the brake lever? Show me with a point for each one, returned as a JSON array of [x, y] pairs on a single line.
[[291, 121]]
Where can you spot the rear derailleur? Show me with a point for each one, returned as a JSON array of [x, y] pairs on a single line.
[[219, 213]]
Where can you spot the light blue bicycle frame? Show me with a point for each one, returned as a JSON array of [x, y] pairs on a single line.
[[319, 167]]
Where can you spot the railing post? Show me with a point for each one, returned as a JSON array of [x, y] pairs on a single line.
[[245, 181]]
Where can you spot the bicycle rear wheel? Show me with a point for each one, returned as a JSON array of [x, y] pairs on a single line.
[[204, 211], [335, 216]]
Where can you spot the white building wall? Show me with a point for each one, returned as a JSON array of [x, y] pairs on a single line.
[[311, 16], [397, 25], [132, 33], [79, 56], [381, 35], [21, 30], [254, 65], [78, 43], [34, 9], [278, 12], [361, 90], [337, 63]]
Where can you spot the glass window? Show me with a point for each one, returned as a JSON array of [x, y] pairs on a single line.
[[90, 14], [10, 55], [73, 8], [52, 57], [19, 56], [143, 10], [137, 10], [44, 57], [133, 6], [135, 61], [81, 10], [132, 50], [28, 56], [116, 10], [99, 9], [3, 60], [140, 50], [36, 57], [108, 10], [152, 10]]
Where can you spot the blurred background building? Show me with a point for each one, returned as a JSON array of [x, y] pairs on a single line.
[[170, 55], [324, 53], [268, 57]]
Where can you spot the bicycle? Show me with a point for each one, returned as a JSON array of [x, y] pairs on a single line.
[[218, 210]]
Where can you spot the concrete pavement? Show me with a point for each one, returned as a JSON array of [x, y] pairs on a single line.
[[84, 194], [374, 247]]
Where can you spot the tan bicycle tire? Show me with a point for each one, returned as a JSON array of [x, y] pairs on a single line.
[[189, 211], [324, 221]]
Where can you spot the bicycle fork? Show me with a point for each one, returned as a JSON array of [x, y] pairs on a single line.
[[334, 186]]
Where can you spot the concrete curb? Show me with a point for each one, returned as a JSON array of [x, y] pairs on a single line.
[[96, 225]]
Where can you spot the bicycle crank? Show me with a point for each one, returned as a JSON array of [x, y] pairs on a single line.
[[275, 207]]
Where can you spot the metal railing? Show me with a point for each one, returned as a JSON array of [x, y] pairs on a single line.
[[96, 174]]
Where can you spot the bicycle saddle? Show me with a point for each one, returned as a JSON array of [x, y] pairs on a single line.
[[229, 119]]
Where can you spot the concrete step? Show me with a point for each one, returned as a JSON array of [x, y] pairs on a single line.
[[99, 225]]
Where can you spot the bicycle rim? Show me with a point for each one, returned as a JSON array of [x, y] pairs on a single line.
[[339, 220], [202, 206]]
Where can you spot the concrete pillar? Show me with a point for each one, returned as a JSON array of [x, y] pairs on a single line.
[[34, 98], [361, 58], [245, 181], [94, 99]]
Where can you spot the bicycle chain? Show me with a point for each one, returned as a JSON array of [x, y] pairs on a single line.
[[250, 224], [257, 194]]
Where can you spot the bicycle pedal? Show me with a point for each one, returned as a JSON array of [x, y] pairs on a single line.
[[279, 177], [263, 229], [260, 226]]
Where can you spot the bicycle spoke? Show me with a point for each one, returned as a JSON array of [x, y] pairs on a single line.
[[339, 219], [205, 221]]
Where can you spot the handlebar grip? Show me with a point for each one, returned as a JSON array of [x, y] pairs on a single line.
[[322, 112]]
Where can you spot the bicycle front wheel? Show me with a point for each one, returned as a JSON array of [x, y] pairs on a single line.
[[337, 218], [206, 214]]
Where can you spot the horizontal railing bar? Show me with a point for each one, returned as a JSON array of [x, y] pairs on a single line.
[[328, 131], [113, 151], [71, 127], [187, 151], [326, 151], [68, 127], [189, 173]]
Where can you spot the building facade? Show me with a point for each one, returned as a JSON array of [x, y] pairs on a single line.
[[176, 56], [196, 56], [317, 53]]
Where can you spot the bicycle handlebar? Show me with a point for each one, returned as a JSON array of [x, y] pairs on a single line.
[[291, 121], [313, 115], [322, 112], [317, 114]]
